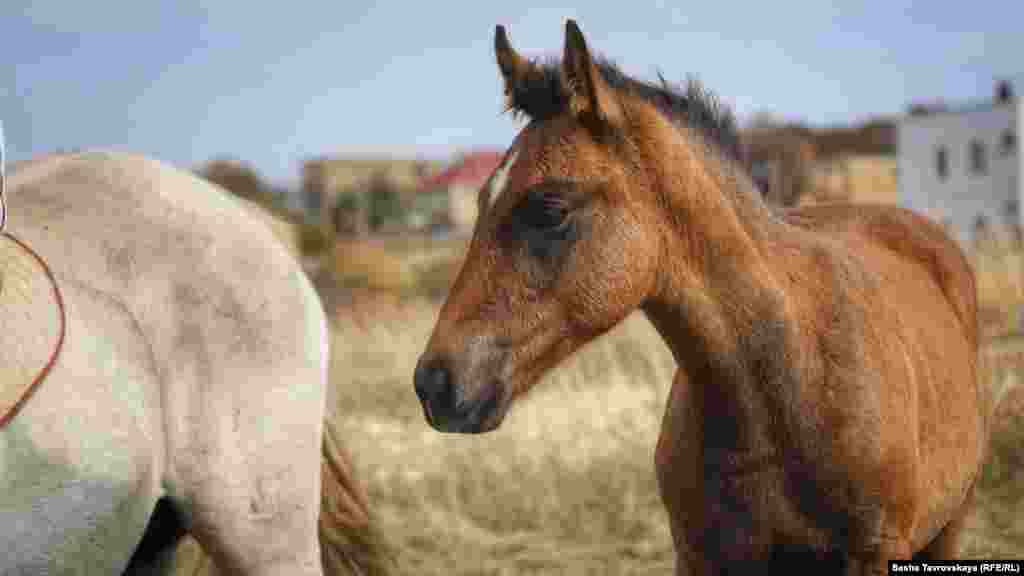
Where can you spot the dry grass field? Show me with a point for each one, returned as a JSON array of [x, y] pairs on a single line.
[[566, 485]]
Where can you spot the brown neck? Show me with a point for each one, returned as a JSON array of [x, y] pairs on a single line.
[[719, 302]]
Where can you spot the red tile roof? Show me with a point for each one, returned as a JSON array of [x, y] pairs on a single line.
[[471, 169]]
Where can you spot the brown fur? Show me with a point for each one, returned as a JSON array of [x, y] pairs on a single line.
[[826, 405]]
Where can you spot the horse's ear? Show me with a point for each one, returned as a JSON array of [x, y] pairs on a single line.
[[589, 95], [514, 68]]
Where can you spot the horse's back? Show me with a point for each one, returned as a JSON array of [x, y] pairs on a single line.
[[150, 234], [177, 252]]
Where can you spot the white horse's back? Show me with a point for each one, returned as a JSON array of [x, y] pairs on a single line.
[[193, 368]]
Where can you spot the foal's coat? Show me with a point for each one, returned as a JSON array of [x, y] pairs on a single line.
[[826, 404]]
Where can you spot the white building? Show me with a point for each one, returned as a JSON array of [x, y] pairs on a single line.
[[963, 166]]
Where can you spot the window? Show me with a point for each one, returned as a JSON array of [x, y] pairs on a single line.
[[1007, 142], [979, 163], [1011, 208], [942, 163]]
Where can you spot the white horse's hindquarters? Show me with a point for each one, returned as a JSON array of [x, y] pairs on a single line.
[[196, 292]]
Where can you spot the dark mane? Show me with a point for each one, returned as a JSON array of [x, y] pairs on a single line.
[[541, 95]]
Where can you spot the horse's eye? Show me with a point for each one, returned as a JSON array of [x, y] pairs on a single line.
[[545, 212]]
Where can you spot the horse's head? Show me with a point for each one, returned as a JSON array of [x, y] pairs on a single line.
[[569, 236]]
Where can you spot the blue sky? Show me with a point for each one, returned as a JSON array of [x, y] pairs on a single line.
[[272, 83]]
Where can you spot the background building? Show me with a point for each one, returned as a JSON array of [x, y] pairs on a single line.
[[794, 164], [447, 201], [962, 165], [855, 164], [325, 181]]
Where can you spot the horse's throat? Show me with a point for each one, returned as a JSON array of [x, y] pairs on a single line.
[[742, 373]]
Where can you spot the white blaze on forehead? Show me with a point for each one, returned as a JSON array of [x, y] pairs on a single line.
[[499, 180]]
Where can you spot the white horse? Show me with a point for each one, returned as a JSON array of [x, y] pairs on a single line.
[[192, 372]]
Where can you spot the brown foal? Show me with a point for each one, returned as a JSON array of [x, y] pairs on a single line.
[[826, 405]]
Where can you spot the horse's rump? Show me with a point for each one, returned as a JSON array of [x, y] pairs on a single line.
[[194, 370], [933, 411]]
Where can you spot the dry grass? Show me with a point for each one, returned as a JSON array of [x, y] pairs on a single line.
[[565, 486], [400, 266], [999, 266], [997, 528], [355, 263]]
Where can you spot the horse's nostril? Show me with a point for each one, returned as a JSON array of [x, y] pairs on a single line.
[[433, 382]]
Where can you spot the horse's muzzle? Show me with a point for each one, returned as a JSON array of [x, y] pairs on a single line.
[[446, 405]]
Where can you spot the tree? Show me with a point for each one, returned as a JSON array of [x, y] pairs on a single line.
[[240, 179], [780, 158], [349, 219], [384, 203]]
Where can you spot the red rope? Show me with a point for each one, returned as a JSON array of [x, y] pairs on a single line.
[[4, 419]]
